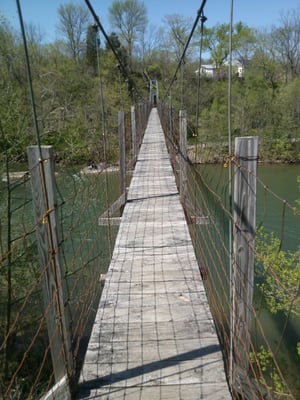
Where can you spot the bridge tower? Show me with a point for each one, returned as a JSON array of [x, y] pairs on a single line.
[[153, 92]]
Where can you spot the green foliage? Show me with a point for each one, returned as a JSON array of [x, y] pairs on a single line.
[[289, 108], [67, 92], [279, 272], [256, 111], [264, 361], [216, 41], [279, 150]]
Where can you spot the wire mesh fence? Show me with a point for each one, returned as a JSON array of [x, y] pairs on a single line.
[[264, 361]]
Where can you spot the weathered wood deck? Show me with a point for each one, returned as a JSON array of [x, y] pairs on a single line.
[[153, 337]]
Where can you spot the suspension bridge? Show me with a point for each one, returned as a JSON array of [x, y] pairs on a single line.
[[155, 291]]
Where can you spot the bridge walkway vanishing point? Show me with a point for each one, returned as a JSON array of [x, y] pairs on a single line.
[[153, 336]]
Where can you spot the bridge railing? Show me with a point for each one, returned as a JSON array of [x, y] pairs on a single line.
[[244, 304], [54, 255]]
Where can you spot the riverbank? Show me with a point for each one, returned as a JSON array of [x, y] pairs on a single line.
[[99, 168], [218, 154]]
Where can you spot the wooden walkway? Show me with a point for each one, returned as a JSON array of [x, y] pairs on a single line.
[[154, 337]]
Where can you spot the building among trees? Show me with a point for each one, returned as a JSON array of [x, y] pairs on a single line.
[[211, 71]]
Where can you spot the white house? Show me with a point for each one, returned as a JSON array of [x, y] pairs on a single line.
[[237, 67], [207, 70], [210, 71]]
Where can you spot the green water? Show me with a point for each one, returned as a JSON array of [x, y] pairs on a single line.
[[278, 188], [282, 180]]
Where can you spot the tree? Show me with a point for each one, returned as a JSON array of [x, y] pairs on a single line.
[[92, 45], [288, 102], [14, 104], [216, 41], [179, 29], [147, 44], [265, 60], [244, 42], [129, 17], [118, 48], [287, 43], [73, 22]]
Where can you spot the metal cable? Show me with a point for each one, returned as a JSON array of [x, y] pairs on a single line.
[[123, 69], [181, 61], [29, 77]]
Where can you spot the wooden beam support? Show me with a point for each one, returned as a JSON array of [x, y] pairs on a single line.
[[58, 318], [245, 171]]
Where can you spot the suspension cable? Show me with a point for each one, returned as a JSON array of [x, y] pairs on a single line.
[[231, 377], [182, 85], [199, 14], [121, 66], [203, 20], [29, 77]]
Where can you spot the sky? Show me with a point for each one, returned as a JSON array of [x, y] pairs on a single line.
[[260, 14]]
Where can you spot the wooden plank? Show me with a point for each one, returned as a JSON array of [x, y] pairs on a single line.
[[122, 160], [58, 391], [109, 221], [107, 217], [41, 166], [153, 336], [133, 135], [183, 154]]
